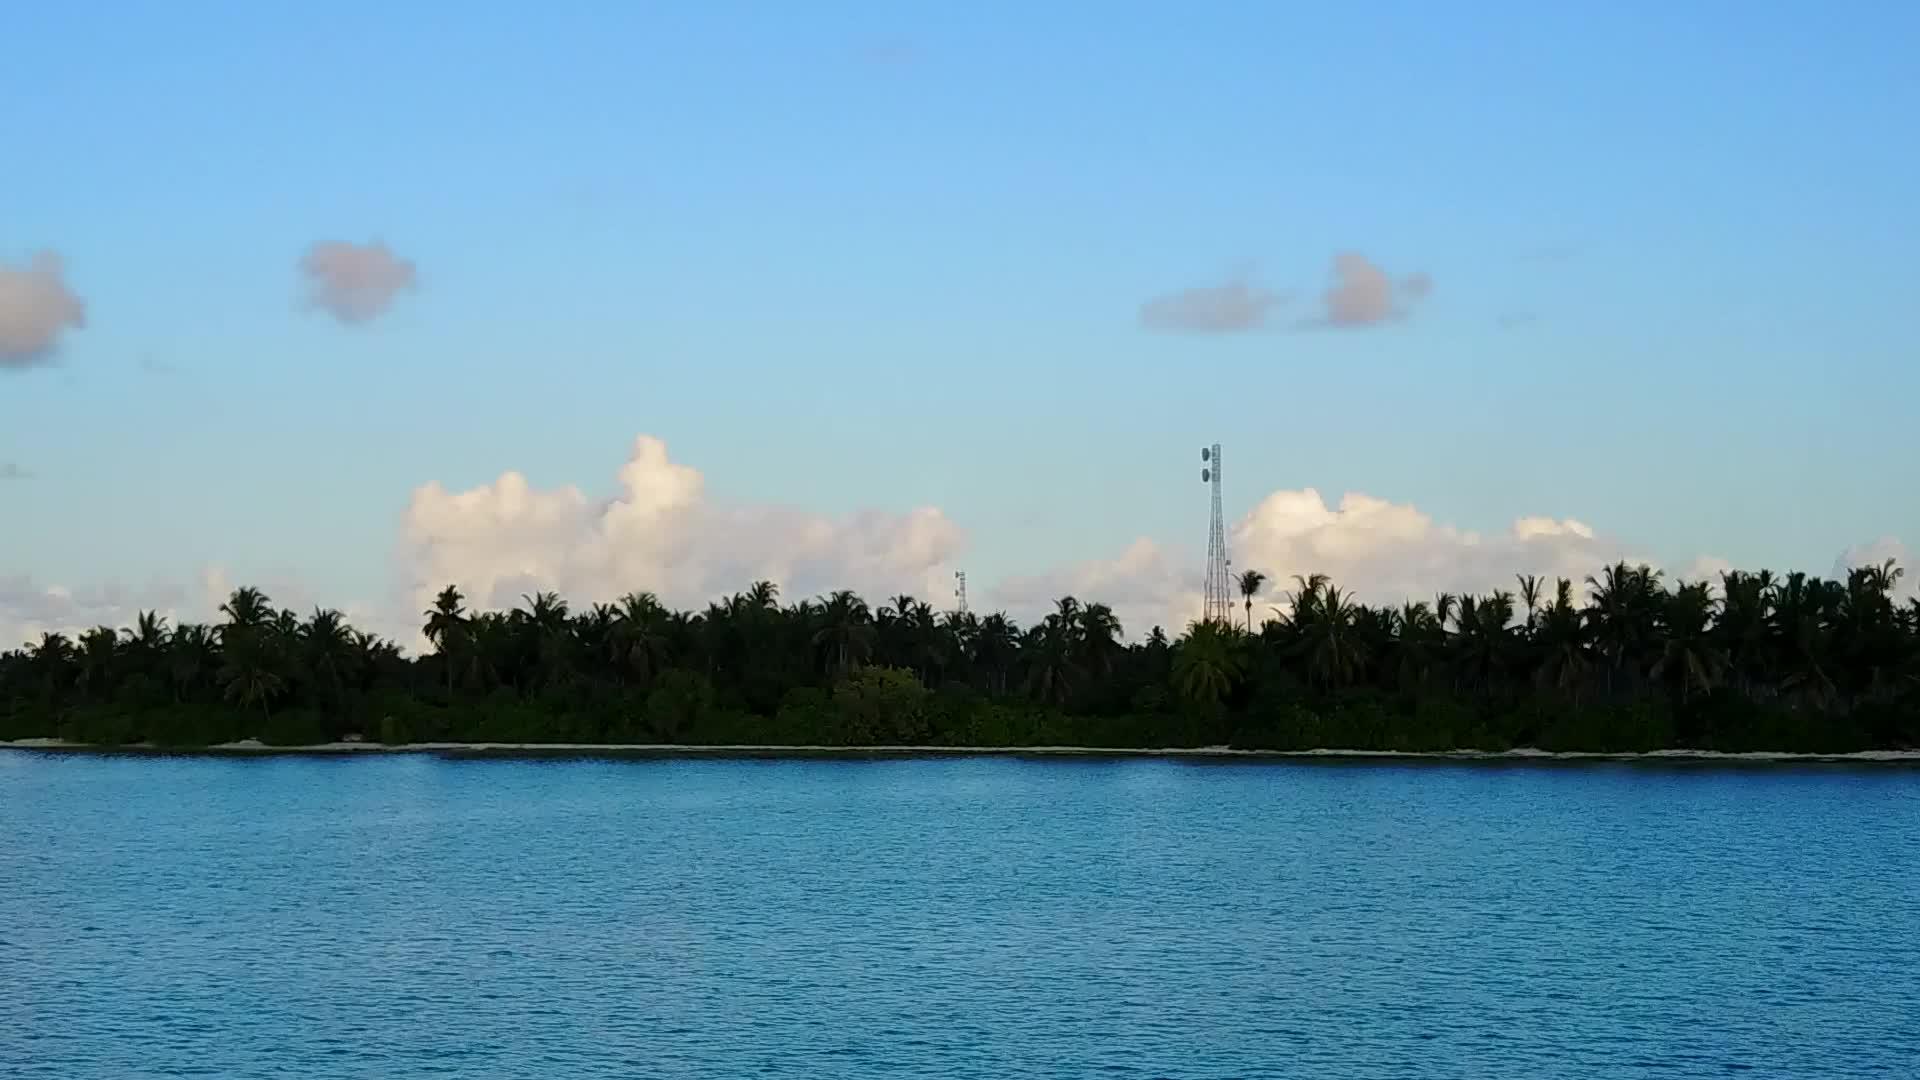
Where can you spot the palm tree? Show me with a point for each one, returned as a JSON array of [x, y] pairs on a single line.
[[1688, 653], [494, 656], [329, 648], [1529, 595], [894, 632], [640, 632], [1789, 658], [847, 634], [1622, 610], [1099, 633], [1304, 597], [546, 618], [52, 660], [1484, 643], [1250, 582], [1741, 627], [192, 655], [96, 659], [247, 608], [447, 618], [1561, 643], [1330, 641], [1207, 663], [1869, 646], [250, 671], [1883, 578], [1803, 636], [763, 596], [1418, 638], [447, 629], [546, 610], [373, 658], [594, 637], [996, 644], [149, 633], [925, 653], [1067, 610], [1051, 652]]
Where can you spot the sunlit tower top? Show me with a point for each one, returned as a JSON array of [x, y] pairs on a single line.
[[960, 591], [1218, 604]]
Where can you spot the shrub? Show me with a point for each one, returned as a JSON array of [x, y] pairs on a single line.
[[679, 702], [878, 705]]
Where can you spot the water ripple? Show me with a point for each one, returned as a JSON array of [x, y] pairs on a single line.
[[954, 919]]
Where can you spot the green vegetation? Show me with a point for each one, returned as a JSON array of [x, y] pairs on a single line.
[[1766, 663]]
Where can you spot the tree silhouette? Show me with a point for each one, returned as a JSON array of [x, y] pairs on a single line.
[[1765, 661], [1249, 583]]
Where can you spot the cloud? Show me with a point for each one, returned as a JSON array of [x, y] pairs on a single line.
[[36, 307], [1381, 551], [29, 609], [660, 532], [11, 471], [1363, 294], [1876, 553], [354, 283], [1147, 585], [1216, 309], [1389, 551]]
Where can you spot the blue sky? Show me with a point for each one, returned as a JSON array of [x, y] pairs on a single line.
[[880, 255]]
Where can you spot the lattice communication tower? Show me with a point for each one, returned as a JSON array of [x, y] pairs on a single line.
[[1218, 605]]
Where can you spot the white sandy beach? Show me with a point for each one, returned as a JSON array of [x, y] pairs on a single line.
[[452, 749]]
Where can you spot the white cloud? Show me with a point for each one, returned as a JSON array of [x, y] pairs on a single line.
[[1876, 553], [355, 283], [1215, 309], [1382, 552], [660, 532], [1147, 585], [36, 307], [1363, 294], [29, 609], [1387, 551]]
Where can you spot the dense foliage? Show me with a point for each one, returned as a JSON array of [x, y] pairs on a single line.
[[1793, 663]]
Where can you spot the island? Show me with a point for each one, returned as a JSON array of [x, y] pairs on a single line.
[[1628, 663]]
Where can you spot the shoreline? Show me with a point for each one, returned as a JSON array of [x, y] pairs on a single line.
[[255, 748]]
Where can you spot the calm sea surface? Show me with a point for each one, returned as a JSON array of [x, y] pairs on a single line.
[[411, 916]]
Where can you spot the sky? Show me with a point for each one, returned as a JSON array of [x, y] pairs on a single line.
[[353, 300]]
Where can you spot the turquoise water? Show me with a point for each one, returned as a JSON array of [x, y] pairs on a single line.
[[412, 916]]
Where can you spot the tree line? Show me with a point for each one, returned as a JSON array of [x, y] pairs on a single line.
[[1763, 662]]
